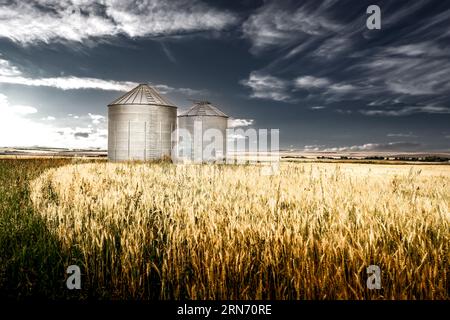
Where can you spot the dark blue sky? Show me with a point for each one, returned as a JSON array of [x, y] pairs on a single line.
[[309, 68]]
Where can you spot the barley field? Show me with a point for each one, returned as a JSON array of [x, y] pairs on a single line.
[[164, 231]]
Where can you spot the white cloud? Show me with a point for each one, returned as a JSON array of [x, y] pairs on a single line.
[[267, 87], [165, 89], [342, 87], [12, 75], [408, 87], [404, 111], [413, 65], [427, 48], [409, 75], [272, 25], [15, 127], [312, 148], [49, 118], [96, 118], [364, 147], [390, 146], [18, 129], [382, 102], [23, 110], [27, 22], [333, 46], [20, 110], [7, 69], [234, 123], [311, 82], [317, 107], [69, 83], [47, 21], [402, 135], [157, 17], [344, 111]]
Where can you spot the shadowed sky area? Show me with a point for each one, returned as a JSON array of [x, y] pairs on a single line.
[[309, 68]]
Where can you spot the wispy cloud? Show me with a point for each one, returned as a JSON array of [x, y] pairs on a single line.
[[165, 89], [405, 111], [390, 146], [70, 83], [367, 147], [409, 75], [168, 52], [274, 25], [402, 135], [311, 82], [313, 148], [11, 74], [46, 21], [421, 49], [235, 123], [330, 47], [267, 87], [337, 59]]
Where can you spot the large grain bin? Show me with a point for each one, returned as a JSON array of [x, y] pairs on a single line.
[[140, 124], [206, 126]]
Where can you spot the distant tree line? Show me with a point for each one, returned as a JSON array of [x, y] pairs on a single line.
[[398, 158]]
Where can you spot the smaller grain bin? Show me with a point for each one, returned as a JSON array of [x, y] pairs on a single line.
[[202, 133]]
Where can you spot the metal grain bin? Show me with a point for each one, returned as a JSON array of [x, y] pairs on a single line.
[[206, 126], [140, 124]]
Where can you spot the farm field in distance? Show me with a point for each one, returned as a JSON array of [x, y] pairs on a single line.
[[165, 231]]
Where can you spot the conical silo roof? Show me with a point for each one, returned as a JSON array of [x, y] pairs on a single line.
[[142, 94], [203, 108]]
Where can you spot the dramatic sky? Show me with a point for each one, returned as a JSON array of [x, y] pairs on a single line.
[[309, 68]]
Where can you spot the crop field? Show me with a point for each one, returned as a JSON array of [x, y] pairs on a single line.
[[165, 231]]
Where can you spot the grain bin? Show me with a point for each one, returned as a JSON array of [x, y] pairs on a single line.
[[206, 126], [140, 124]]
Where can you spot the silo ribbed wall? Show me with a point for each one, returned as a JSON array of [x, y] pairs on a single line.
[[140, 132], [199, 143]]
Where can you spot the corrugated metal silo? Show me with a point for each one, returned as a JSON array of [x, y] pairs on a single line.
[[211, 122], [140, 124]]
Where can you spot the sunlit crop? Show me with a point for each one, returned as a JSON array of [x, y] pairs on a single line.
[[227, 232]]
